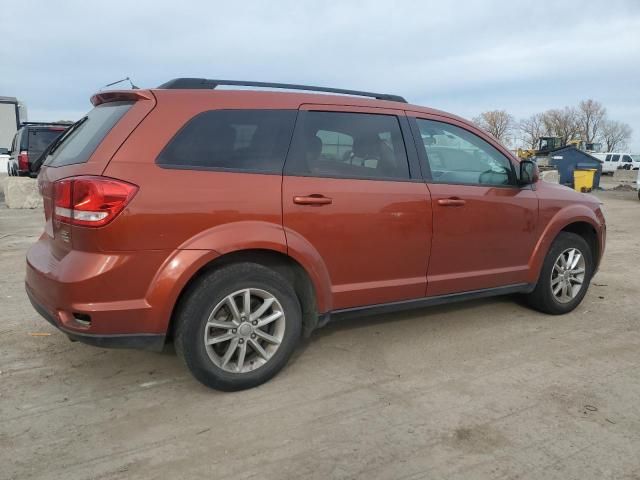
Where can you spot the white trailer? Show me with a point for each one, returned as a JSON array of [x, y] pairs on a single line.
[[11, 115]]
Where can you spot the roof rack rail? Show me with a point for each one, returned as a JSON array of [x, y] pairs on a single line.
[[58, 123], [204, 83]]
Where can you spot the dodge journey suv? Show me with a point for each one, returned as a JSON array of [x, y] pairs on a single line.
[[233, 222]]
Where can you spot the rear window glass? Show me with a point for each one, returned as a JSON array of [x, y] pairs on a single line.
[[80, 142], [235, 140], [40, 138]]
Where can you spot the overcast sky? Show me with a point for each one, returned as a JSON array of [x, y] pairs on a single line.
[[463, 57]]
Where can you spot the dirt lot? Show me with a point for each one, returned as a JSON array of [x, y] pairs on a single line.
[[486, 389]]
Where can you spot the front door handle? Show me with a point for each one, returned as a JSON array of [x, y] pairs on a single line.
[[314, 199], [451, 202]]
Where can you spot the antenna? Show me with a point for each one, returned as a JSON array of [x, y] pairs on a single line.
[[125, 79]]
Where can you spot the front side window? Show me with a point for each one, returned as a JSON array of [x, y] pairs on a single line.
[[626, 158], [235, 140], [458, 156], [348, 145]]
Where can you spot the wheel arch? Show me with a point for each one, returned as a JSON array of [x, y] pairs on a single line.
[[575, 219], [281, 263], [587, 231]]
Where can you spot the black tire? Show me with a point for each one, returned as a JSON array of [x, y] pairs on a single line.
[[202, 298], [542, 298]]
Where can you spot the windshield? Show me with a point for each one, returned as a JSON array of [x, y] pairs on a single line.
[[83, 139], [635, 158]]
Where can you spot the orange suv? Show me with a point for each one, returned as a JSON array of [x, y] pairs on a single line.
[[236, 221]]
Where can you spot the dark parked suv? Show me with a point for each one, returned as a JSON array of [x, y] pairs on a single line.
[[234, 222], [29, 142]]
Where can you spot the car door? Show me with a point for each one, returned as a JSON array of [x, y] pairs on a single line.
[[616, 161], [484, 224], [351, 202]]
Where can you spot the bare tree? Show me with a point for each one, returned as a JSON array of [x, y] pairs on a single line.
[[497, 123], [591, 115], [531, 129], [615, 135], [562, 123]]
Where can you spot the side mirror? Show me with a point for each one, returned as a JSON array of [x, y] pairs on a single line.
[[528, 172]]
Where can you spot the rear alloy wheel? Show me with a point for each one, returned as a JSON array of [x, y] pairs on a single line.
[[565, 276], [237, 326], [244, 330]]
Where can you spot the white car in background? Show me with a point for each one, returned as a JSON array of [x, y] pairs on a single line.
[[612, 161], [4, 162]]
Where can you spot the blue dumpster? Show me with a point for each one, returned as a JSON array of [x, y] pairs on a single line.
[[569, 158]]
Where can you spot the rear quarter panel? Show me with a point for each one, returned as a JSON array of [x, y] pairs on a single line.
[[187, 208], [192, 216]]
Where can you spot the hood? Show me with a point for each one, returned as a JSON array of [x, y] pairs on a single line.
[[566, 193]]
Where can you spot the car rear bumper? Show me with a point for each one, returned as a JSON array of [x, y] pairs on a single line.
[[97, 298], [144, 341]]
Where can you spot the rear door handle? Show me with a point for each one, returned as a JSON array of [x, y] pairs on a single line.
[[451, 202], [314, 199]]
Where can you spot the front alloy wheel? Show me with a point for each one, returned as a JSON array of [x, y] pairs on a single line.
[[567, 275]]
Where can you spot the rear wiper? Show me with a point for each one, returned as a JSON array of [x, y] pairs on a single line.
[[58, 141]]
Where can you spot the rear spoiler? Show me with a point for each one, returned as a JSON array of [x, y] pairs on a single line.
[[120, 96]]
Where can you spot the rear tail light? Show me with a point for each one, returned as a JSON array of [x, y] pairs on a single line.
[[23, 160], [90, 201]]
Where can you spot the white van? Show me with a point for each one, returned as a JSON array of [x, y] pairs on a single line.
[[615, 160]]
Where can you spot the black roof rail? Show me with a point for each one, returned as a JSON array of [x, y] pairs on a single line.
[[205, 83], [63, 123]]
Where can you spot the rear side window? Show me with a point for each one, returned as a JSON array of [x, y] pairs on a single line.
[[235, 140], [348, 145], [15, 145], [23, 138], [615, 158], [81, 139]]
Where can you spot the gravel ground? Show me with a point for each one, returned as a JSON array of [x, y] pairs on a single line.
[[485, 389]]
